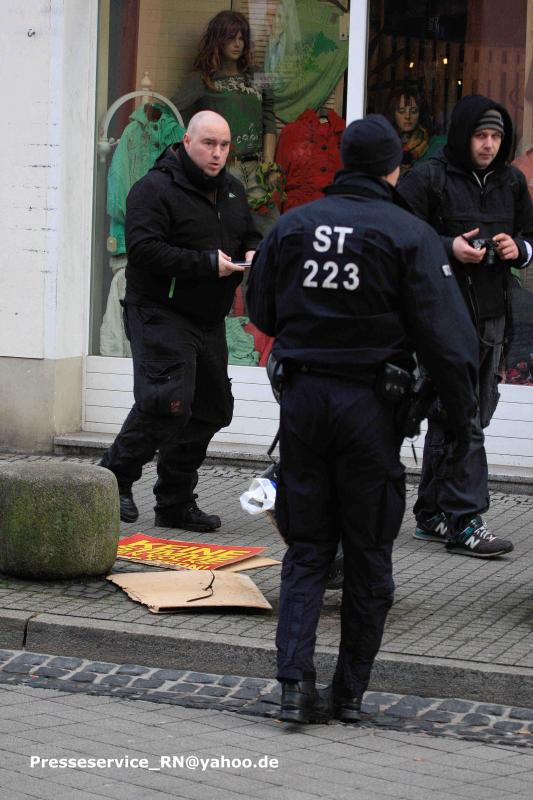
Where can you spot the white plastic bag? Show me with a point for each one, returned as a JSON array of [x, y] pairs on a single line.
[[261, 496]]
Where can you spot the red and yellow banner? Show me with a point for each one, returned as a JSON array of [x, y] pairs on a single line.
[[183, 555]]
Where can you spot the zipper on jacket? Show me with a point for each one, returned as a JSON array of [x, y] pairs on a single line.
[[483, 186], [172, 287], [483, 195], [219, 220], [473, 301]]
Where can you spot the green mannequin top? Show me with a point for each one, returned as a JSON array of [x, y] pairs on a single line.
[[247, 107]]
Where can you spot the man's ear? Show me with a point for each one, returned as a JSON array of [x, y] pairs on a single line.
[[393, 176]]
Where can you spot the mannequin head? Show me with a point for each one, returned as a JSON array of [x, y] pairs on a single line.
[[225, 45], [404, 108]]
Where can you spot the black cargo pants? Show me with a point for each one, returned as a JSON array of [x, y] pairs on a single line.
[[340, 478], [182, 398]]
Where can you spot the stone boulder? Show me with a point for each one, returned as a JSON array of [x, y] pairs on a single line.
[[57, 520]]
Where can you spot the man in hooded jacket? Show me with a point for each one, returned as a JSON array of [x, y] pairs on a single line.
[[348, 284], [187, 223], [481, 208]]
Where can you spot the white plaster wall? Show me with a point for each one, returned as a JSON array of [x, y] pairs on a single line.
[[78, 127], [357, 60], [26, 167], [47, 60]]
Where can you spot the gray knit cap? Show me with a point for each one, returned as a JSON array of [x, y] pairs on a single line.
[[491, 119]]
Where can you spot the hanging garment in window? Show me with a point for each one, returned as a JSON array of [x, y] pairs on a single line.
[[305, 58], [309, 153]]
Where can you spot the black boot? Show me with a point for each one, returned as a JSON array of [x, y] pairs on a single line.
[[128, 510], [188, 517], [297, 701], [347, 709]]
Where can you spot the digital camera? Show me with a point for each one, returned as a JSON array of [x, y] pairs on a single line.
[[492, 248]]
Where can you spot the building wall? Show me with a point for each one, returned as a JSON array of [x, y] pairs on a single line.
[[47, 58], [39, 398]]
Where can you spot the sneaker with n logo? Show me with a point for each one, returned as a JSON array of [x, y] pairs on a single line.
[[476, 540], [433, 529]]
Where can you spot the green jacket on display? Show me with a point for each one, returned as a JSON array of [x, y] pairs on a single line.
[[142, 141]]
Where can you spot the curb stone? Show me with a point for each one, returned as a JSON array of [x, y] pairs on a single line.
[[260, 697], [225, 654]]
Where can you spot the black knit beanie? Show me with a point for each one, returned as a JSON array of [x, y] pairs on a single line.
[[371, 145]]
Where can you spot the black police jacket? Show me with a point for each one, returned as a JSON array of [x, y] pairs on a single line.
[[454, 198], [173, 234], [352, 281]]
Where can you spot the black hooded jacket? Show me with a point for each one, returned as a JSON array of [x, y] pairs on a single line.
[[454, 198], [173, 234]]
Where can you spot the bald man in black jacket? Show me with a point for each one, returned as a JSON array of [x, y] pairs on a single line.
[[187, 223]]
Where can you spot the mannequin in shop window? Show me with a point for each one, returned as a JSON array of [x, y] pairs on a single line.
[[406, 110], [223, 81]]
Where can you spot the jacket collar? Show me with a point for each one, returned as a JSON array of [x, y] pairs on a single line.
[[311, 118], [493, 170], [359, 183], [169, 161]]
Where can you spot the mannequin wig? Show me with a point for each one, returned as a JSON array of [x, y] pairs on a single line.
[[220, 29]]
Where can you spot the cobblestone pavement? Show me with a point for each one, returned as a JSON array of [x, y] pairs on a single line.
[[59, 745], [490, 722], [447, 606]]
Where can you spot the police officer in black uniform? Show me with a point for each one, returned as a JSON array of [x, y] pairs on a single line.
[[348, 284]]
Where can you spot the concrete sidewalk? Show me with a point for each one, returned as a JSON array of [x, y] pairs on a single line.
[[164, 751], [460, 627]]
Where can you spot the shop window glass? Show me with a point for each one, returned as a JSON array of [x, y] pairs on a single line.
[[285, 107], [424, 56]]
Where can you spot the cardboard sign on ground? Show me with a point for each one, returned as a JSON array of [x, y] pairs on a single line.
[[190, 589], [182, 555], [255, 562]]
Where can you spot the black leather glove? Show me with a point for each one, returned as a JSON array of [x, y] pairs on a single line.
[[459, 441]]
